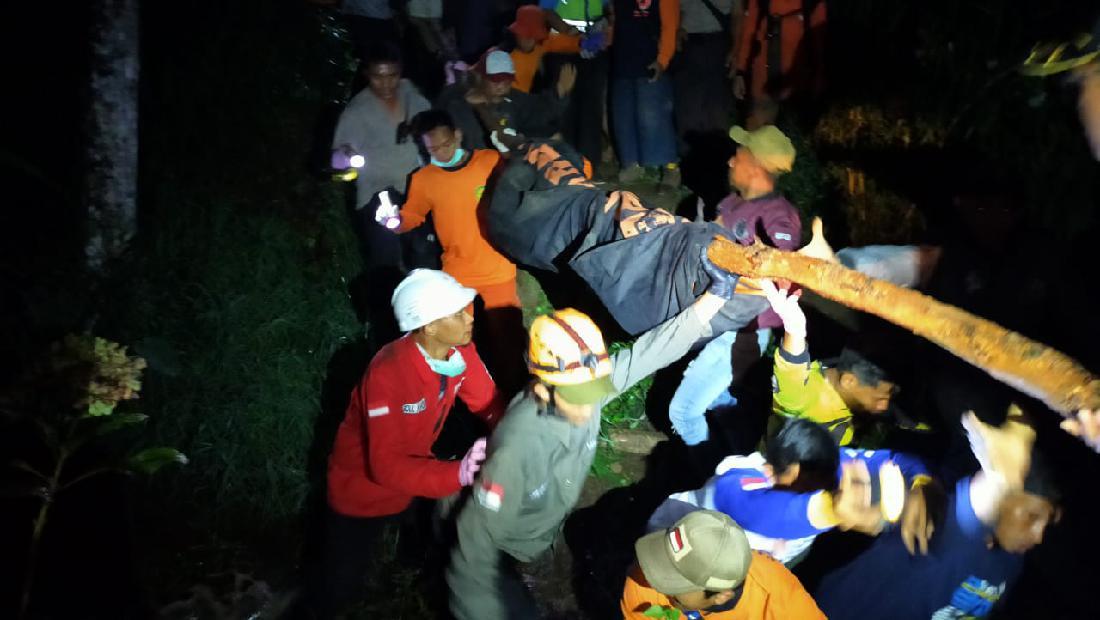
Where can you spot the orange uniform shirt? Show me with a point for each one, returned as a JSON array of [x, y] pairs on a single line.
[[527, 63], [452, 197], [771, 593]]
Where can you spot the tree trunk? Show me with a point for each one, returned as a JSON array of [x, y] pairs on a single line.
[[1031, 367], [112, 126]]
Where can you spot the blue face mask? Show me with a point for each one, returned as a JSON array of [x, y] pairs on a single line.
[[459, 154], [450, 367]]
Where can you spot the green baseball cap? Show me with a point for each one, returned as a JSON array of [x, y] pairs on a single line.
[[587, 393], [704, 550], [770, 146]]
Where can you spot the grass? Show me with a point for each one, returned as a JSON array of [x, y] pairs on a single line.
[[242, 338]]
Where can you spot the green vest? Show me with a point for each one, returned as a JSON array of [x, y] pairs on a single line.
[[573, 10]]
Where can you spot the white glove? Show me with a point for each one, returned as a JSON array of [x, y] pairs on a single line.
[[386, 214], [786, 306], [494, 137]]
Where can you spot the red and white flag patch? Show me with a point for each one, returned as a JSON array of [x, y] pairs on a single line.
[[490, 495], [753, 483], [678, 542]]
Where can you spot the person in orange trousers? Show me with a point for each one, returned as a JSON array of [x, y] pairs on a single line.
[[780, 55]]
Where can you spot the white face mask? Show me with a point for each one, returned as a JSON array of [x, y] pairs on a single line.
[[451, 367]]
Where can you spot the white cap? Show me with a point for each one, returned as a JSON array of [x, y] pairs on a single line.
[[498, 62], [426, 295]]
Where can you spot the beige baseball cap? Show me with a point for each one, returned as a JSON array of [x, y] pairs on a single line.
[[704, 550], [770, 146]]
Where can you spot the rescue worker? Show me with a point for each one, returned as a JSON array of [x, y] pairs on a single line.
[[801, 486], [755, 211], [703, 567], [533, 41], [828, 393], [382, 458], [780, 55], [541, 453], [450, 190]]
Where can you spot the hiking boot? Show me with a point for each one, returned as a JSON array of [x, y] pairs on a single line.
[[631, 174], [670, 178]]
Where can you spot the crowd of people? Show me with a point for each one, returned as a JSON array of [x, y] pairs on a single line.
[[504, 169]]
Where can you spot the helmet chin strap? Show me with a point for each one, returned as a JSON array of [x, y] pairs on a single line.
[[550, 407]]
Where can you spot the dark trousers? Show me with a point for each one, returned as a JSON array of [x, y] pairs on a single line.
[[703, 93], [353, 546], [582, 124], [704, 111]]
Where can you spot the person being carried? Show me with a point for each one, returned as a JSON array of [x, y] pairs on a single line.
[[802, 486], [703, 567], [382, 457], [540, 456]]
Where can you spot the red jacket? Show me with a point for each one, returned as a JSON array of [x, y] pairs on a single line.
[[397, 412]]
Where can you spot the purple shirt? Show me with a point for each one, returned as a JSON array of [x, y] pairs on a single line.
[[771, 215]]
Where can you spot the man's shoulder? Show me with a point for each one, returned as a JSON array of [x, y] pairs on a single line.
[[393, 359], [520, 418], [770, 575], [426, 173], [485, 157], [362, 101]]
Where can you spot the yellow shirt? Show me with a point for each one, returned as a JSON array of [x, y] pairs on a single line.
[[802, 391]]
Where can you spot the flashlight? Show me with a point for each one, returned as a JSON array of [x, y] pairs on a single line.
[[346, 157], [891, 491], [386, 214], [349, 174]]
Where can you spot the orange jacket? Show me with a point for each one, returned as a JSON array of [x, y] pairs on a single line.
[[771, 593], [452, 196], [801, 54], [670, 28], [527, 63]]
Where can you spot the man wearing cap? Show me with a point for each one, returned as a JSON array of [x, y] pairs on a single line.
[[703, 567], [533, 41], [755, 211], [540, 455], [382, 458], [491, 104]]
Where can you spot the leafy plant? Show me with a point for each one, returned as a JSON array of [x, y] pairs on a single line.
[[662, 613], [72, 400]]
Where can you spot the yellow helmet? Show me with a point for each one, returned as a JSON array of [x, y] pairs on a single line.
[[1052, 58], [567, 351]]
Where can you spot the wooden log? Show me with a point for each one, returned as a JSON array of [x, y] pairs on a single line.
[[1029, 366]]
